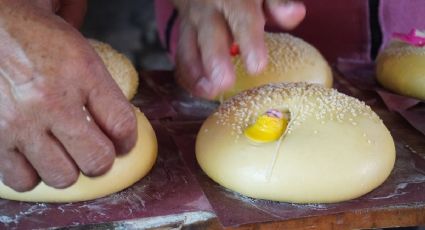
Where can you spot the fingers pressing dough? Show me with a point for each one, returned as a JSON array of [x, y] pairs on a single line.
[[126, 170], [290, 59]]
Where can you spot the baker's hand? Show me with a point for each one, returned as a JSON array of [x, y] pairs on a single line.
[[209, 27], [60, 110]]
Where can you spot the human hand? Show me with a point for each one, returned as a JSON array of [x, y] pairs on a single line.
[[60, 110], [209, 27]]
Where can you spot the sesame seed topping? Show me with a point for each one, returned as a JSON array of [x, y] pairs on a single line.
[[286, 53], [400, 49], [301, 101]]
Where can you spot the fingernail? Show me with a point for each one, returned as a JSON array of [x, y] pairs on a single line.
[[203, 86], [254, 64], [288, 8], [218, 74]]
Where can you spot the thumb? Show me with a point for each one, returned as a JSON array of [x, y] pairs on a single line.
[[284, 14]]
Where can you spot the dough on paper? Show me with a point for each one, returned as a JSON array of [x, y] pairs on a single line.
[[400, 67], [334, 148]]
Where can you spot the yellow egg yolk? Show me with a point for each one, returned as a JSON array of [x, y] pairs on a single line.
[[266, 129]]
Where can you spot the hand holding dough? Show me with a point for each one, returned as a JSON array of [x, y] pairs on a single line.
[[126, 170], [290, 59], [61, 112]]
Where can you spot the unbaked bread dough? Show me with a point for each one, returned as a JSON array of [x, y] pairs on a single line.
[[334, 148], [290, 59], [126, 170], [119, 66], [401, 68]]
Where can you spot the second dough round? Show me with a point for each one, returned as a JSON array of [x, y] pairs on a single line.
[[335, 148]]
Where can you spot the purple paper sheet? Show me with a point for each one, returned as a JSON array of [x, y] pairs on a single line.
[[405, 186], [362, 76], [177, 184]]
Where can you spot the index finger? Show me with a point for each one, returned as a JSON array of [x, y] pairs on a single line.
[[246, 21]]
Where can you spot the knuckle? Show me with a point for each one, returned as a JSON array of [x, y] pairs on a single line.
[[99, 162], [124, 124], [23, 186], [63, 178], [21, 183], [16, 175], [73, 130], [9, 121], [55, 170], [249, 20], [35, 91]]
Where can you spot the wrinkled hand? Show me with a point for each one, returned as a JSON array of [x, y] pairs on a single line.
[[60, 110], [208, 29]]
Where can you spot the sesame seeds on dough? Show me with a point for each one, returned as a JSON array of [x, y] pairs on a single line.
[[301, 100], [119, 66], [330, 137], [400, 49], [288, 55], [290, 59]]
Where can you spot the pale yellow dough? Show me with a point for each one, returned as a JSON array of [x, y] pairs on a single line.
[[401, 68], [290, 59], [126, 170], [334, 149]]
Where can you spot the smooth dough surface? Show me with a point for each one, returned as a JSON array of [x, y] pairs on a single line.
[[334, 149], [290, 59], [401, 68], [119, 66], [126, 170]]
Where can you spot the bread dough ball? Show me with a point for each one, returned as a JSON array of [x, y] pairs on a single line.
[[334, 147], [290, 59], [401, 68], [126, 170], [119, 66]]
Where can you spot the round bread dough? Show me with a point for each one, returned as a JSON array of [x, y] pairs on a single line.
[[334, 148], [120, 68], [401, 68], [126, 170], [290, 59]]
